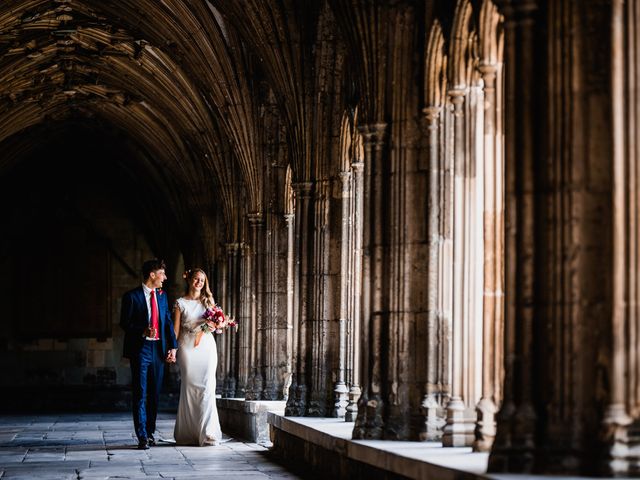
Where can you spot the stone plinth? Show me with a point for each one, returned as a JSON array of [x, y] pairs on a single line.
[[325, 446], [247, 419]]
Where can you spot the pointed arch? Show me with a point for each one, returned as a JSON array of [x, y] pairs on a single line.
[[462, 51], [435, 68], [490, 33]]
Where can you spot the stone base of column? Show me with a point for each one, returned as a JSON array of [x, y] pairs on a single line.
[[341, 394], [291, 410], [352, 408], [485, 432], [623, 440], [297, 402], [258, 386], [271, 391], [241, 390], [318, 406], [229, 389], [434, 420], [369, 424], [461, 424], [514, 447], [251, 393]]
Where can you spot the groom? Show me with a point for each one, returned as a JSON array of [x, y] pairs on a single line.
[[149, 341]]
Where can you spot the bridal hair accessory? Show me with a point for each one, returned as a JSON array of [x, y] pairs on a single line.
[[186, 274]]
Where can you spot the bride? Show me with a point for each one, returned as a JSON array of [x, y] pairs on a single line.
[[197, 420]]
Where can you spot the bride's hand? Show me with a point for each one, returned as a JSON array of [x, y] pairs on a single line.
[[171, 356]]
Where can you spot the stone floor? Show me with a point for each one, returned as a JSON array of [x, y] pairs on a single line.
[[102, 446]]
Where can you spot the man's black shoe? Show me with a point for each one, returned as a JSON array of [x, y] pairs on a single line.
[[152, 440], [143, 445]]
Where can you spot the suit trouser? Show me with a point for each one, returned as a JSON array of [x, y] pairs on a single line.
[[147, 369]]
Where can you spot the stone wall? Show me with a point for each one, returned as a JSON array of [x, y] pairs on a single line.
[[67, 369]]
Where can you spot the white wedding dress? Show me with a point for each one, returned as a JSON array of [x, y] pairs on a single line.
[[197, 420]]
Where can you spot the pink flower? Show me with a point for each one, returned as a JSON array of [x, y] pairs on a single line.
[[215, 320]]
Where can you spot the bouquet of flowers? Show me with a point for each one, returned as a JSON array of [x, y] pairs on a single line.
[[215, 322]]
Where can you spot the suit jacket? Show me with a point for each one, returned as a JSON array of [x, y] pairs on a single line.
[[134, 318]]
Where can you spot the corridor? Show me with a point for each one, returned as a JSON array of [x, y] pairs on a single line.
[[102, 445], [423, 217]]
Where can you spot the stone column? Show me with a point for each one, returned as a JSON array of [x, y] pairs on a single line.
[[341, 391], [459, 430], [231, 344], [291, 330], [369, 422], [438, 204], [244, 321], [514, 445], [354, 317], [617, 422], [256, 379], [320, 314], [220, 294], [493, 264], [297, 401], [276, 330]]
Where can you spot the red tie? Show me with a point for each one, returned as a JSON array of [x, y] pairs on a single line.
[[154, 314]]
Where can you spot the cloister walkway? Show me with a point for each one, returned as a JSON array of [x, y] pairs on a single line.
[[101, 446]]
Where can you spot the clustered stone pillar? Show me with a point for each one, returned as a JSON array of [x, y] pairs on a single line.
[[354, 317], [467, 255], [256, 378], [244, 321], [369, 422], [319, 314], [513, 449], [621, 423], [276, 331], [297, 400], [439, 313], [231, 341], [492, 312], [341, 391]]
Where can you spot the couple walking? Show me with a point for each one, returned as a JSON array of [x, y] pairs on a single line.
[[155, 335]]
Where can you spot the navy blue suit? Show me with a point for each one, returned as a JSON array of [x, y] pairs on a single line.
[[147, 357]]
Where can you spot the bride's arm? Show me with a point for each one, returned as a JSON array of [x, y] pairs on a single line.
[[176, 322]]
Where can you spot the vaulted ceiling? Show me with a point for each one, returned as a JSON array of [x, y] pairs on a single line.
[[163, 74]]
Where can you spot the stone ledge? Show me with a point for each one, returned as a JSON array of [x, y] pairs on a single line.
[[247, 419], [326, 445]]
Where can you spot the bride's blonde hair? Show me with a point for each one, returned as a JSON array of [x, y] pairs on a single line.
[[206, 297]]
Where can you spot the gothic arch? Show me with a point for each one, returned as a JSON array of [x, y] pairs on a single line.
[[462, 46], [435, 68]]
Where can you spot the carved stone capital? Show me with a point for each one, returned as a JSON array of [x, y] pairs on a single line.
[[457, 95], [302, 189], [374, 135], [232, 247], [488, 71], [289, 217], [358, 167], [432, 114], [255, 219]]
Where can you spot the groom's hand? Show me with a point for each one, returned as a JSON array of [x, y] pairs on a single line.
[[149, 332]]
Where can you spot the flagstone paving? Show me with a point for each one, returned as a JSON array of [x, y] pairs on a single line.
[[103, 446]]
